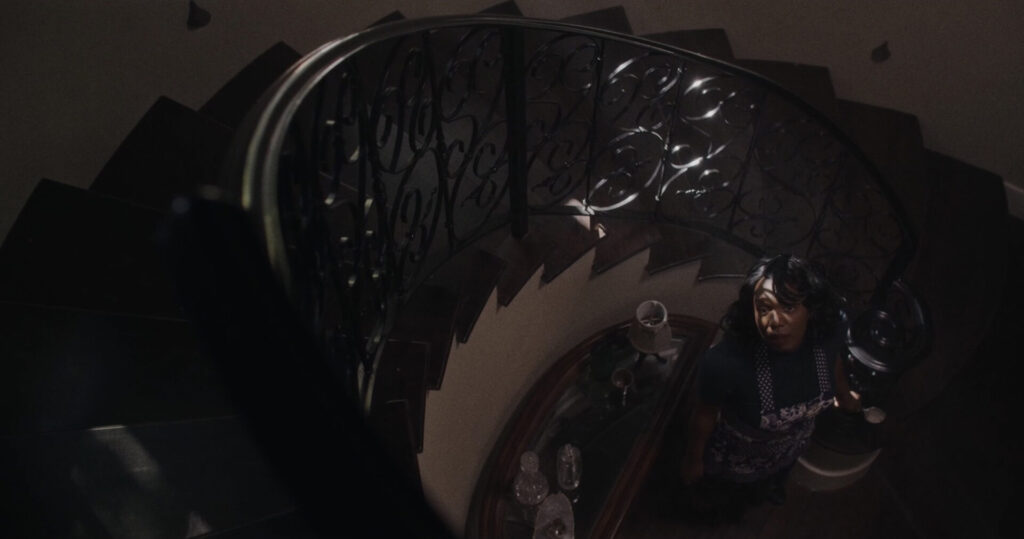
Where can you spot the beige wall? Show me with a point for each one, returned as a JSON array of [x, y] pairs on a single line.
[[77, 75], [512, 346]]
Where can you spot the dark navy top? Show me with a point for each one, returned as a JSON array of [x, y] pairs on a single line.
[[727, 377]]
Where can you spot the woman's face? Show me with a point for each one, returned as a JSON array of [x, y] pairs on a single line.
[[782, 326]]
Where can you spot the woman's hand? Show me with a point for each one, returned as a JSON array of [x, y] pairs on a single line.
[[849, 401], [846, 399]]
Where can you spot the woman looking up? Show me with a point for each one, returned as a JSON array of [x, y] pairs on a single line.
[[776, 368]]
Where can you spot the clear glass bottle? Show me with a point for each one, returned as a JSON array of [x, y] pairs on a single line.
[[554, 519], [569, 467], [530, 486]]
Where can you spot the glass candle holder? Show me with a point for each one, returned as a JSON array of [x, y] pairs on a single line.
[[530, 487]]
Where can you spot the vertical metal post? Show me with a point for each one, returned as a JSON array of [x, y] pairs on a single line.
[[515, 109]]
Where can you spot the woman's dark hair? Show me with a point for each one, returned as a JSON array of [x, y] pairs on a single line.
[[795, 281]]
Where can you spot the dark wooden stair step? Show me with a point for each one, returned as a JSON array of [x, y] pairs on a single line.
[[71, 369], [504, 8], [711, 42], [402, 376], [571, 241], [232, 102], [522, 259], [391, 423], [677, 246], [622, 239], [428, 317], [474, 274], [613, 18], [811, 83], [172, 150], [892, 141], [74, 248], [724, 260], [185, 476]]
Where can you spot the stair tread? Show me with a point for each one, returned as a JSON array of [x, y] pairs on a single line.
[[74, 248], [147, 477], [522, 259], [571, 241], [474, 274], [504, 8], [724, 260], [892, 141], [678, 245], [402, 375], [613, 18], [172, 150], [711, 42], [232, 102], [429, 317], [71, 369], [811, 83], [622, 240]]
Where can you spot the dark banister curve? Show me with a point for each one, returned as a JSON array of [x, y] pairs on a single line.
[[263, 139], [515, 104]]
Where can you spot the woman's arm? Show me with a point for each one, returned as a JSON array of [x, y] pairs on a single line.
[[702, 422], [845, 398]]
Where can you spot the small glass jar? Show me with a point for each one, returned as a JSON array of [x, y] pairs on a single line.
[[569, 467], [530, 487]]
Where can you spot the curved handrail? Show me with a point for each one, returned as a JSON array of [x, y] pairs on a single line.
[[378, 264]]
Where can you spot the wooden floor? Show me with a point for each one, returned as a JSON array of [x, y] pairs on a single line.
[[952, 471]]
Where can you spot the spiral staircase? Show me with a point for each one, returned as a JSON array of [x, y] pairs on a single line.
[[116, 419]]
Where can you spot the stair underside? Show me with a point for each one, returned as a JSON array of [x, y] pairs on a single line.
[[428, 318], [392, 423], [472, 275], [622, 240], [677, 246], [402, 376]]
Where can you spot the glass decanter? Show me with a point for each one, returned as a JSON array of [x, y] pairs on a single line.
[[530, 486]]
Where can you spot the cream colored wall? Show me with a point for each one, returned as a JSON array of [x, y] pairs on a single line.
[[512, 346], [77, 75]]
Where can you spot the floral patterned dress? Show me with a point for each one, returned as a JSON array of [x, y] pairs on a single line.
[[740, 453]]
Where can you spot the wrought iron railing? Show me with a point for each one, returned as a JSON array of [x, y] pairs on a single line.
[[380, 155]]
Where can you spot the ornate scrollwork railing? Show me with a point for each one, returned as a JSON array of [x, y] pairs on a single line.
[[380, 155]]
